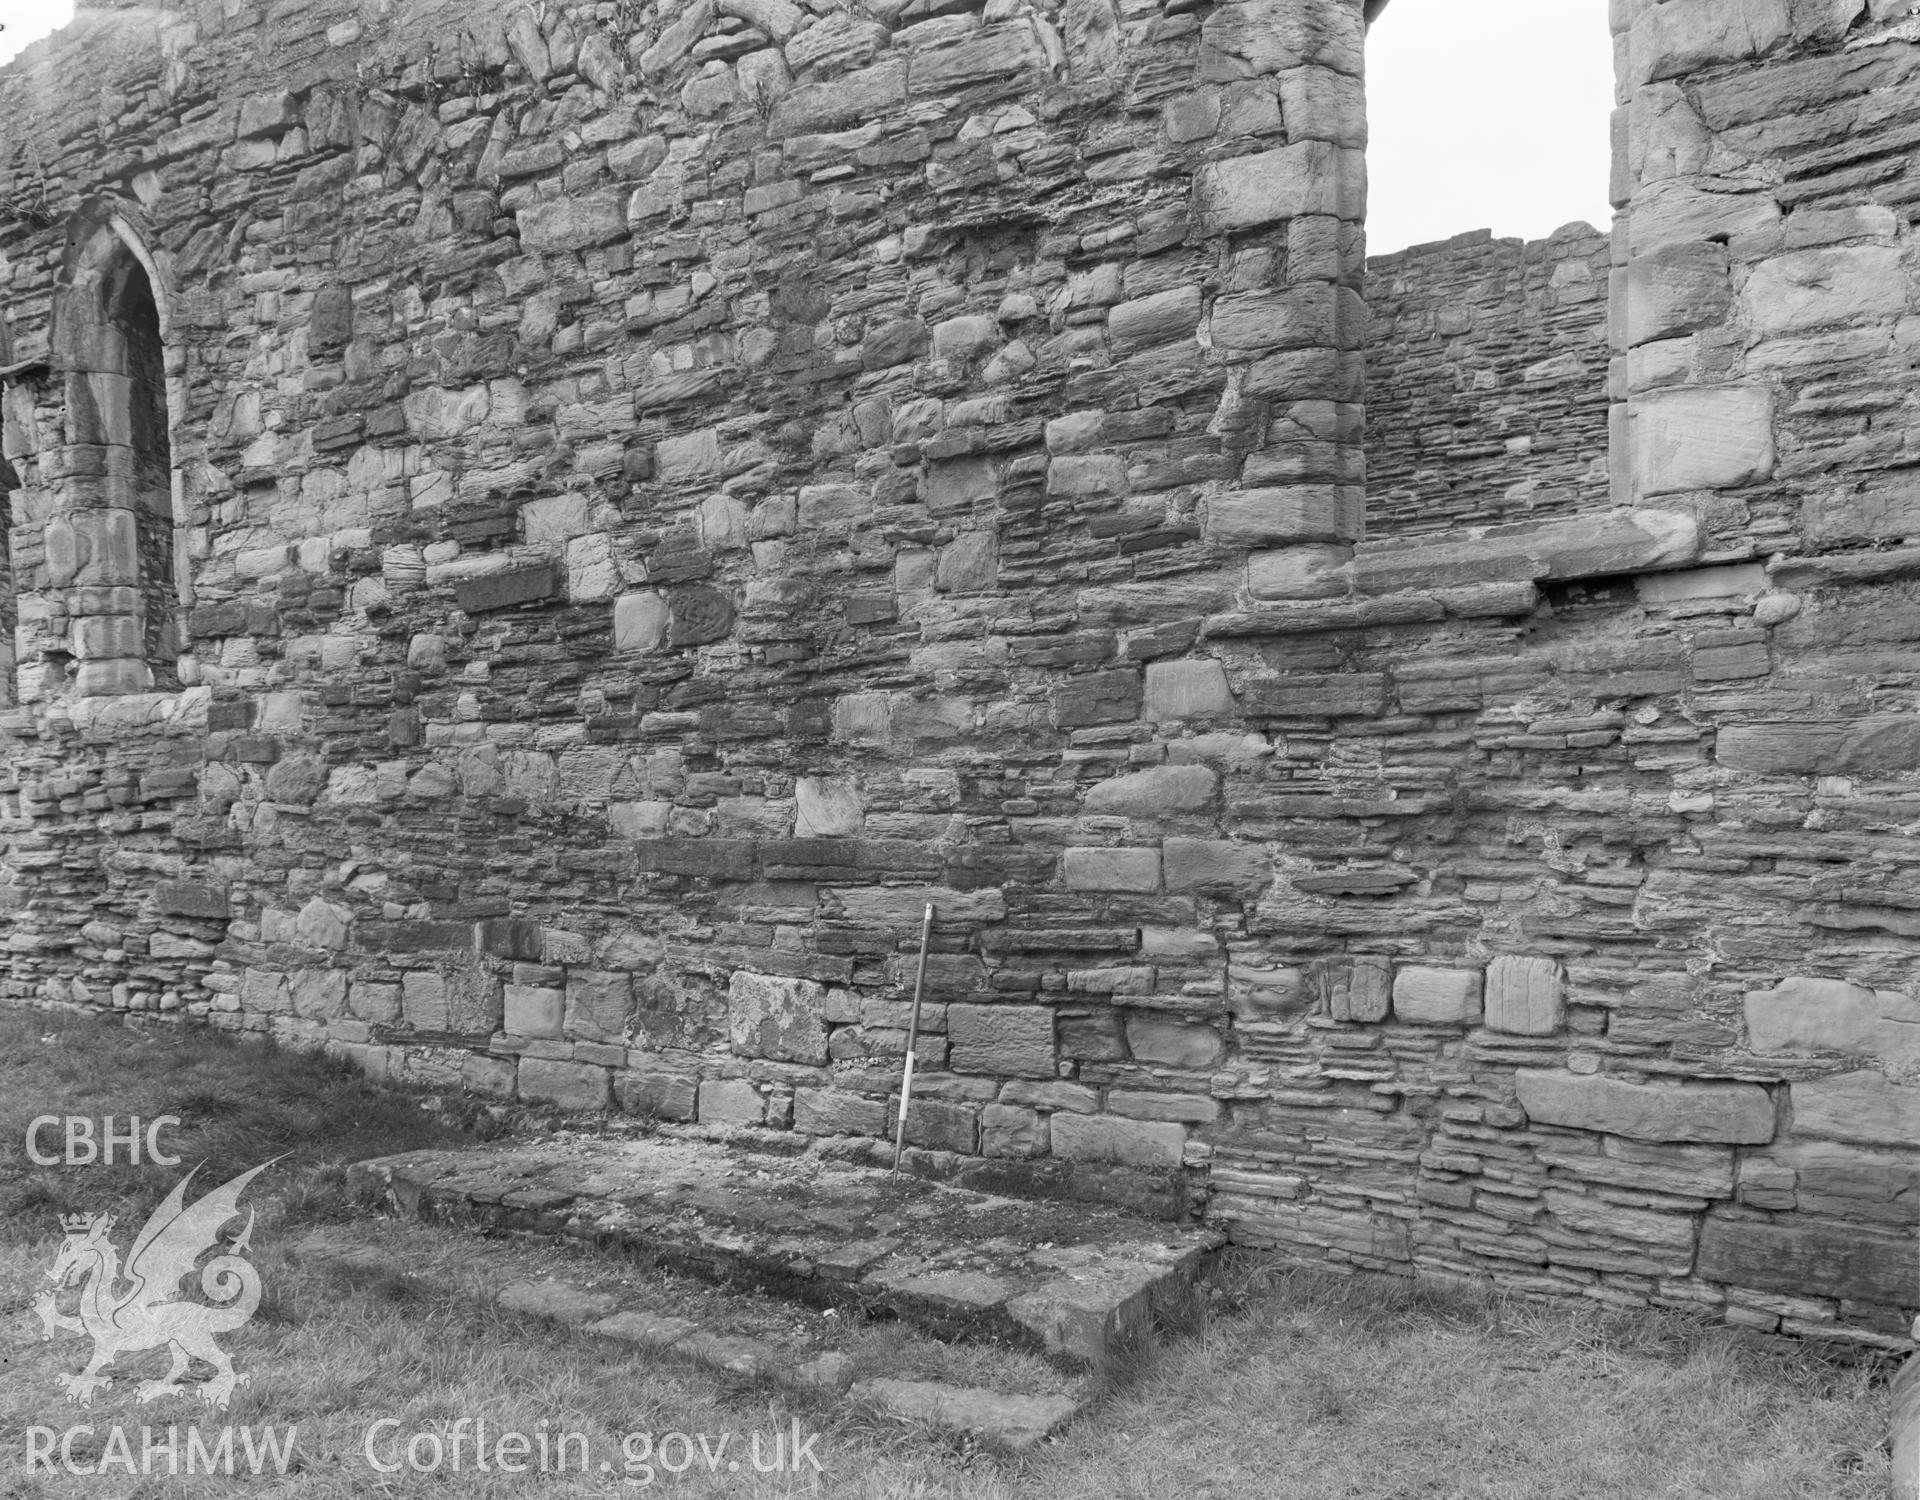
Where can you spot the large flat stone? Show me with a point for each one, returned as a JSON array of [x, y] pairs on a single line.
[[1884, 507], [1313, 315], [1677, 289], [773, 1016], [1701, 438], [1187, 689], [1525, 996], [1737, 1113], [1154, 792], [1219, 865], [574, 223], [1832, 284], [1667, 41], [570, 1085], [1008, 1422], [1007, 1041], [559, 1301], [1436, 997], [1812, 1260], [1150, 1145], [1636, 540], [1286, 513], [1112, 869], [1804, 1014], [1863, 1107], [1822, 747], [1072, 1278], [1306, 177]]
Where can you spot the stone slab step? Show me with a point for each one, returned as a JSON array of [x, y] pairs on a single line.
[[1072, 1280], [1013, 1421]]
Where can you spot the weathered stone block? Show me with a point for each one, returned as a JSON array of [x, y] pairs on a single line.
[[510, 586], [897, 343], [942, 1125], [1832, 284], [1286, 513], [687, 457], [951, 486], [1736, 1113], [318, 994], [1700, 438], [494, 1077], [697, 615], [975, 57], [640, 622], [1677, 289], [297, 779], [1863, 1107], [1264, 38], [772, 1016], [1097, 698], [1882, 507], [655, 1094], [1217, 865], [1158, 791], [1822, 747], [1363, 990], [321, 924], [1436, 997], [576, 222], [837, 1112], [1111, 869], [1307, 177], [1008, 1131], [599, 1005], [827, 807], [1173, 1044], [1669, 41], [1189, 689], [1811, 1259], [1526, 996], [1803, 1014], [1311, 571], [1147, 1145], [969, 564], [1315, 315], [534, 1010], [375, 1001], [191, 898], [1156, 319], [570, 1085], [462, 999], [1007, 1041], [731, 1101]]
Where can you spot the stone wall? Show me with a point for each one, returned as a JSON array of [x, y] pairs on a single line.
[[1486, 390], [657, 504]]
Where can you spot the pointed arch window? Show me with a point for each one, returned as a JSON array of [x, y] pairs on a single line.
[[111, 544]]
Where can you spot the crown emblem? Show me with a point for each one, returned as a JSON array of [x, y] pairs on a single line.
[[78, 1223]]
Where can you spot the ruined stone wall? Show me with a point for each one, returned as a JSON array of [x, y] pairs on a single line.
[[666, 496], [1486, 390], [662, 502]]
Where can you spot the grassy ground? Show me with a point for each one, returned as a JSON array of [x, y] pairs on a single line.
[[1288, 1384]]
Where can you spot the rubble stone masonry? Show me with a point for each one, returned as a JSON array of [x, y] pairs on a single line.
[[1486, 389], [651, 495]]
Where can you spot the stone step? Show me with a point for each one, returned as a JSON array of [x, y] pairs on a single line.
[[728, 1331], [1073, 1281]]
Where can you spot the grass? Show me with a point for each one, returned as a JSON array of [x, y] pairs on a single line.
[[1282, 1383]]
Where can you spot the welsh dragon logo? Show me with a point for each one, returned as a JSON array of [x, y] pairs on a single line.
[[148, 1313]]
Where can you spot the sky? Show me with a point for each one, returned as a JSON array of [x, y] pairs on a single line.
[[1484, 114], [29, 20]]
